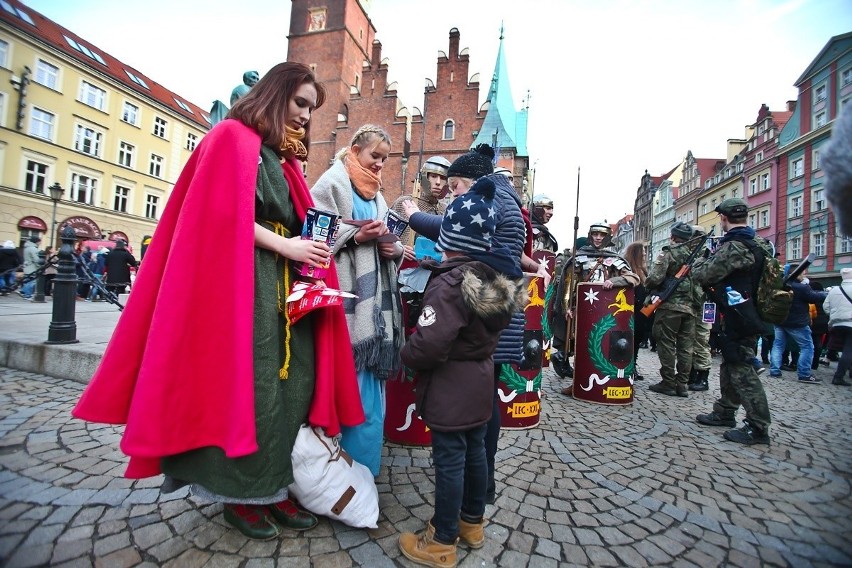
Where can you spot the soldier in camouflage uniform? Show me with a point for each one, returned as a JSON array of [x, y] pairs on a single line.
[[674, 323], [731, 265], [701, 357]]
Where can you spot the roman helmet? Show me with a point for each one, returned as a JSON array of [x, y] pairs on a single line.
[[504, 172], [539, 203], [601, 228], [434, 165]]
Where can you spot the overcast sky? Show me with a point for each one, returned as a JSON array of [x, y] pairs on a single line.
[[617, 86]]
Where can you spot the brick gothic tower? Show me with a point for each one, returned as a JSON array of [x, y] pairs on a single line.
[[337, 39]]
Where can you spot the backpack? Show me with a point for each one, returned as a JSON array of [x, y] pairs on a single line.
[[773, 299]]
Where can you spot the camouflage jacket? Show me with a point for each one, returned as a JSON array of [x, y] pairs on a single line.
[[730, 258], [666, 265]]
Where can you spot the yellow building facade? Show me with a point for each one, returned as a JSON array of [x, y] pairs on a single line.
[[70, 114]]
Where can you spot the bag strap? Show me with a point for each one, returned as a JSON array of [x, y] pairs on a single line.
[[760, 260], [844, 293]]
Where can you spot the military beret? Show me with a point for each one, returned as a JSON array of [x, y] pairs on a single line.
[[733, 207]]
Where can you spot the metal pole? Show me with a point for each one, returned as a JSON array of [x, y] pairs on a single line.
[[53, 225], [63, 327], [38, 296]]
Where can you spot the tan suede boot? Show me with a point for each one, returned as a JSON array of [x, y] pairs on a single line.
[[472, 534], [422, 549]]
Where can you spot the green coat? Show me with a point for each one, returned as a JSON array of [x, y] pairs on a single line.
[[666, 265]]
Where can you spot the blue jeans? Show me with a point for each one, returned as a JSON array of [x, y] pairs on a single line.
[[802, 337], [28, 288], [461, 476]]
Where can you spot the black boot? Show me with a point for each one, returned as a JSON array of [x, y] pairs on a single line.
[[562, 365], [749, 434], [693, 377], [701, 381]]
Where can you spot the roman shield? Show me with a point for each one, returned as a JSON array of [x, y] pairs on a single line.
[[519, 386], [603, 362]]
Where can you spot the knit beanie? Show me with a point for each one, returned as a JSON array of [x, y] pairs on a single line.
[[475, 164], [846, 274], [470, 220]]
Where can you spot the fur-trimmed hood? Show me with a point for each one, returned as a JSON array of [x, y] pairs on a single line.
[[489, 294]]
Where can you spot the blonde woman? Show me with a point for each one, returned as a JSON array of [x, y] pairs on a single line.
[[367, 262]]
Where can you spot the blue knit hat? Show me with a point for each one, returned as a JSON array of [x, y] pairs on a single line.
[[470, 220]]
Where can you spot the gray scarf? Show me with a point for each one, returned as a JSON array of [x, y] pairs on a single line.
[[374, 318]]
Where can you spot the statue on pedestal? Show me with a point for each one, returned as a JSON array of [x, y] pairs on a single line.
[[219, 111]]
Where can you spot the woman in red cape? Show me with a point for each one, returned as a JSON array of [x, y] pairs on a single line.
[[211, 379]]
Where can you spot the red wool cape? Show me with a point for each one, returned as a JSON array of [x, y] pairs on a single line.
[[178, 370]]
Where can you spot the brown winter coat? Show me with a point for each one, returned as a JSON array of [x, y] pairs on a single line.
[[466, 306]]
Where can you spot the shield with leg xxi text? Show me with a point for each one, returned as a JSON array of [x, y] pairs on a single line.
[[603, 363]]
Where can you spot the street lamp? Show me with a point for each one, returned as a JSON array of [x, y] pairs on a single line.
[[56, 192]]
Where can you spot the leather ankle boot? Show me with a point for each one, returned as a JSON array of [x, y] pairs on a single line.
[[472, 534], [701, 381], [422, 548]]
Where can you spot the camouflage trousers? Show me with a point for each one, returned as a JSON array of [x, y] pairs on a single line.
[[674, 333], [739, 382], [701, 359]]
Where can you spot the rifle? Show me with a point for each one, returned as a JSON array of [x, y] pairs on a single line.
[[671, 283]]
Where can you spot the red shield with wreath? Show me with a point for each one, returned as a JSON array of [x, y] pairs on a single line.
[[603, 363]]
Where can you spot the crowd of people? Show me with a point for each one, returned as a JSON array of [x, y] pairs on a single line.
[[225, 424]]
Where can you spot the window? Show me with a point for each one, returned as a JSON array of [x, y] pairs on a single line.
[[122, 196], [818, 203], [4, 53], [92, 96], [85, 50], [152, 202], [87, 140], [41, 124], [155, 168], [794, 248], [160, 127], [449, 130], [818, 244], [815, 162], [846, 77], [47, 74], [126, 153], [819, 94], [130, 113], [819, 120], [704, 208], [752, 186], [191, 141], [764, 181], [796, 207], [751, 221], [83, 189], [844, 245], [183, 105], [797, 168], [36, 179], [758, 157], [137, 79], [764, 219]]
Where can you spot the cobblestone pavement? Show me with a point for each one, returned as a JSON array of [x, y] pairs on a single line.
[[638, 485]]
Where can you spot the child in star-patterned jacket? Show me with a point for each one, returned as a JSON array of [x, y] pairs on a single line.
[[467, 303]]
